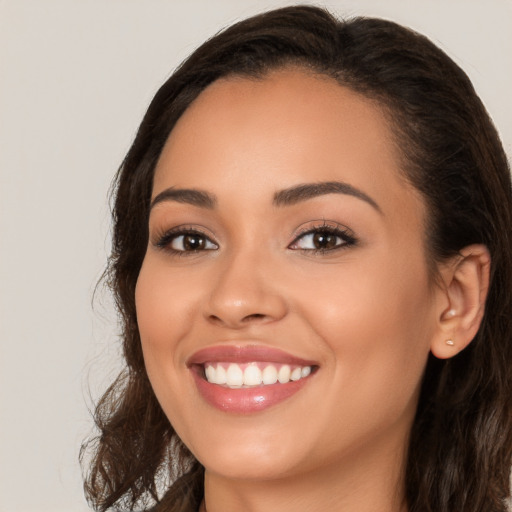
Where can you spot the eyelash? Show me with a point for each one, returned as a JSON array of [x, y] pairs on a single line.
[[343, 233], [164, 241]]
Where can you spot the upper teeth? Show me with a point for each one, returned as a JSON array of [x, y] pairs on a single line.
[[252, 374]]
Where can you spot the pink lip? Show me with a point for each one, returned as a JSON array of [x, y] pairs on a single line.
[[246, 354], [251, 399]]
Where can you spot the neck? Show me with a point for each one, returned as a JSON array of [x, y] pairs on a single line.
[[365, 482]]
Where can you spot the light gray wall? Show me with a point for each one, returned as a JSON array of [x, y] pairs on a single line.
[[75, 79]]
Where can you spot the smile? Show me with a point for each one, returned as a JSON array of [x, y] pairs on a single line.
[[252, 374], [248, 379]]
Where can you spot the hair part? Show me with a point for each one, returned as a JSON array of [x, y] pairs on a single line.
[[461, 441]]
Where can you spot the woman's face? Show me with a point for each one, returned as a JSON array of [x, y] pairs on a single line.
[[284, 243]]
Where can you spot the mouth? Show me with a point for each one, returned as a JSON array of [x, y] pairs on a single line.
[[256, 373], [248, 379]]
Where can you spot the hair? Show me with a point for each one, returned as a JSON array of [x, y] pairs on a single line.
[[460, 447]]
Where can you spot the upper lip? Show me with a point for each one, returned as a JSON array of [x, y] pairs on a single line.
[[245, 354]]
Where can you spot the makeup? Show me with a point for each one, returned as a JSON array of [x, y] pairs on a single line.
[[248, 379], [298, 248]]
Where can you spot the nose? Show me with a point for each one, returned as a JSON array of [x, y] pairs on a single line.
[[243, 292]]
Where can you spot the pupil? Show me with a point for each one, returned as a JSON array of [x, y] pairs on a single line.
[[323, 240], [193, 242]]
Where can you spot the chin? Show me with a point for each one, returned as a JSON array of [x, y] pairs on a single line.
[[250, 466], [233, 455]]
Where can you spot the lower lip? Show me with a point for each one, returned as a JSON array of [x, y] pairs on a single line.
[[246, 400]]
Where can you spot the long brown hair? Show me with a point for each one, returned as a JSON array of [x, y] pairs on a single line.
[[460, 450]]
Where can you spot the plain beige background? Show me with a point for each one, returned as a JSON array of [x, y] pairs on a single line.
[[75, 79]]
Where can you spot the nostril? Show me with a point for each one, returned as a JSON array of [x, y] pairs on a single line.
[[243, 310], [254, 316]]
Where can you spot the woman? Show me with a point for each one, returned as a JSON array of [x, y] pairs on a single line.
[[312, 260]]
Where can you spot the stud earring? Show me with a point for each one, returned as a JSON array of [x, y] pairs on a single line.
[[450, 342], [451, 313]]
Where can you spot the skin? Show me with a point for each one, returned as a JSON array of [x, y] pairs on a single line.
[[368, 313]]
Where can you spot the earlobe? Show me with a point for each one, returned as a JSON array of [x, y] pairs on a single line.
[[465, 283]]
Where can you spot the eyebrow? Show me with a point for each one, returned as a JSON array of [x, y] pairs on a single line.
[[303, 192], [286, 197], [191, 196]]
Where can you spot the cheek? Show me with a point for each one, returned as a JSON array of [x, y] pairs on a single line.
[[163, 304], [368, 300], [376, 324]]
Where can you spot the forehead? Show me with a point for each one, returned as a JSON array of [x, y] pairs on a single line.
[[287, 128]]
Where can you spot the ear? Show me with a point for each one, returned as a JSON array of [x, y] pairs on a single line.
[[463, 291]]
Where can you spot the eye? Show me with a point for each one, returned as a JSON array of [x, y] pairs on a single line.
[[186, 240], [322, 239], [191, 242]]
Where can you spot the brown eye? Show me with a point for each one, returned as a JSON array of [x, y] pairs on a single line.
[[324, 240], [189, 242], [193, 242]]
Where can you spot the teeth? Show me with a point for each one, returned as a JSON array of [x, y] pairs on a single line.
[[234, 376], [216, 375], [296, 374], [283, 375], [269, 374], [305, 371], [221, 376], [210, 374], [253, 374]]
